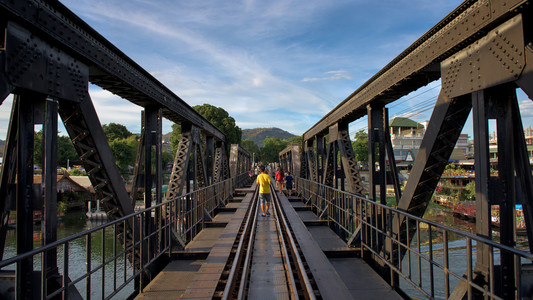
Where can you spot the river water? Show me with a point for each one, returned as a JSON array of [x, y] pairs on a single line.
[[71, 224], [457, 254], [76, 222]]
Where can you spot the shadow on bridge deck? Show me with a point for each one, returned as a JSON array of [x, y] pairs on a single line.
[[337, 271]]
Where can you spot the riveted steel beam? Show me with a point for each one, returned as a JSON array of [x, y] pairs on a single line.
[[109, 67], [239, 160], [419, 63], [291, 159], [178, 178], [221, 168]]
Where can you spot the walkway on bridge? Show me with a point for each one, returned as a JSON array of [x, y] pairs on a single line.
[[195, 272]]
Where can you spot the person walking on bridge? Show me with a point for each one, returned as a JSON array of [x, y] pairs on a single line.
[[280, 179], [263, 180]]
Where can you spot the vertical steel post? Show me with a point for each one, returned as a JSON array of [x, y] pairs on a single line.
[[390, 155], [506, 174], [7, 176], [138, 163], [50, 186], [376, 136], [25, 146], [482, 169], [209, 158]]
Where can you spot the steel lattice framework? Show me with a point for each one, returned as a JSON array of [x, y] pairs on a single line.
[[482, 51], [48, 57]]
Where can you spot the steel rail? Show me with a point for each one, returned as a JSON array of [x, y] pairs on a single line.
[[286, 255], [239, 255], [288, 247], [249, 253], [109, 67], [305, 283], [419, 63]]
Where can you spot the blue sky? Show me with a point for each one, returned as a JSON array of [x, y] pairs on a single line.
[[276, 63]]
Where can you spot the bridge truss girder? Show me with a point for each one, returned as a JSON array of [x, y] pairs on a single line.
[[189, 146], [482, 70], [239, 160], [290, 159], [48, 58], [339, 143]]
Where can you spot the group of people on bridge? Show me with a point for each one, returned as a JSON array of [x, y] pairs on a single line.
[[284, 180]]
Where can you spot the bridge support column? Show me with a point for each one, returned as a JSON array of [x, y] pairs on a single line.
[[221, 167], [49, 179], [209, 158], [25, 195], [500, 103], [311, 161], [321, 154]]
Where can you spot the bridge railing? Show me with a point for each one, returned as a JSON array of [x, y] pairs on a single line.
[[95, 264], [437, 262]]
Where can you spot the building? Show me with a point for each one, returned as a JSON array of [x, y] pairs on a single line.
[[406, 137], [493, 146]]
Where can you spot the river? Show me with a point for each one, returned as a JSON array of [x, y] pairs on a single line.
[[457, 254], [71, 224]]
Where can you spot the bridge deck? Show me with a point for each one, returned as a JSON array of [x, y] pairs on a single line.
[[197, 271], [357, 276]]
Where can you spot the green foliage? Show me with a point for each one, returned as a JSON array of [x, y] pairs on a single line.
[[218, 117], [38, 144], [124, 151], [471, 190], [258, 135], [296, 140], [222, 120], [166, 158], [251, 148], [61, 206], [115, 131], [76, 172], [65, 151], [271, 149], [452, 168], [175, 137], [360, 146]]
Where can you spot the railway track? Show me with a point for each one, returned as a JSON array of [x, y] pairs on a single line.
[[266, 261]]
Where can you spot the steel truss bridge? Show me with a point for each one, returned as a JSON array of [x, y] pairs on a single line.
[[482, 52]]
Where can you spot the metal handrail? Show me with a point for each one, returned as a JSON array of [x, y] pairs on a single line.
[[349, 213], [147, 247]]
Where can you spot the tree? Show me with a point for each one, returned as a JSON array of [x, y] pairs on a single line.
[[115, 131], [218, 117], [222, 120], [124, 151], [76, 172], [471, 190], [272, 146], [296, 140], [65, 151], [251, 148], [37, 150], [360, 146], [175, 137]]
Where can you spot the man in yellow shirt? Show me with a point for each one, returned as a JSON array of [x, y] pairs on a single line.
[[264, 190]]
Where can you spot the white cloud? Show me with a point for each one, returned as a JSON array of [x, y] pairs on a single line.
[[331, 75]]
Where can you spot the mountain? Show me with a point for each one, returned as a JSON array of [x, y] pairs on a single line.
[[258, 135]]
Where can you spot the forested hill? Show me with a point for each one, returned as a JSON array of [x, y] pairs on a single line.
[[259, 134]]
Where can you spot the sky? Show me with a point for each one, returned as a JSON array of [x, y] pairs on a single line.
[[275, 63]]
